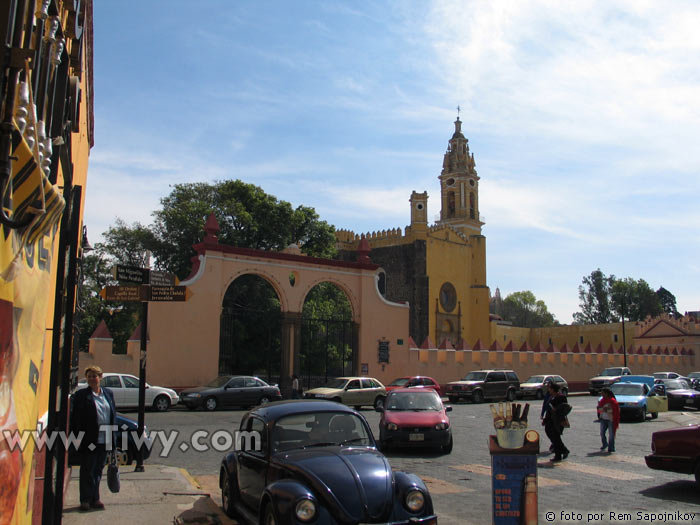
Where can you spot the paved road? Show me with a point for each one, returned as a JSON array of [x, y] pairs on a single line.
[[587, 483]]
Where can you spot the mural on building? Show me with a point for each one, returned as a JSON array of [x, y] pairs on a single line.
[[44, 144]]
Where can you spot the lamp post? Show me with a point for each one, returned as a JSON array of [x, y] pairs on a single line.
[[624, 339]]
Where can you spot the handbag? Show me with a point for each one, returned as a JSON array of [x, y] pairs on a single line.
[[113, 473]]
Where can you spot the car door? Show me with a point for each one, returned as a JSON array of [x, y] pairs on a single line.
[[252, 391], [252, 465], [369, 391], [131, 391], [657, 401], [353, 393], [114, 383], [496, 385], [234, 392]]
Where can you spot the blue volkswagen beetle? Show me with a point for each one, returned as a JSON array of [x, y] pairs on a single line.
[[314, 461]]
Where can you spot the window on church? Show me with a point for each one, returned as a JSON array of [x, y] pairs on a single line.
[[472, 209], [448, 297], [451, 204]]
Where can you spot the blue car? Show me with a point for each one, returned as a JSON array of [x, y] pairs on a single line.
[[313, 461], [639, 399]]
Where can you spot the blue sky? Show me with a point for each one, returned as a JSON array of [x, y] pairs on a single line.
[[583, 119]]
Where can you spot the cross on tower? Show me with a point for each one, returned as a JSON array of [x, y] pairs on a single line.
[[457, 112]]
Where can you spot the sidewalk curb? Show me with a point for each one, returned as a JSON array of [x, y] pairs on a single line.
[[189, 478]]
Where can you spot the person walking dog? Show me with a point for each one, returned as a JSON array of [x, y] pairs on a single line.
[[609, 416], [92, 409]]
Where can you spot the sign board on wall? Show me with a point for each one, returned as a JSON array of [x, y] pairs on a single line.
[[364, 369], [383, 353]]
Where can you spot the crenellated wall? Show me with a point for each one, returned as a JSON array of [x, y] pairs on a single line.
[[100, 353]]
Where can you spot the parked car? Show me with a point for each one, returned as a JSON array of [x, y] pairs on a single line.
[[125, 388], [606, 378], [676, 450], [639, 399], [124, 457], [416, 418], [694, 375], [666, 375], [415, 382], [230, 391], [353, 391], [317, 463], [679, 393], [485, 384], [534, 386]]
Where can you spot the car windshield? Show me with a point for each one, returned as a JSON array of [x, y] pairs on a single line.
[[399, 382], [612, 372], [420, 401], [694, 375], [475, 376], [219, 382], [627, 389], [317, 429], [535, 379], [336, 383], [675, 384]]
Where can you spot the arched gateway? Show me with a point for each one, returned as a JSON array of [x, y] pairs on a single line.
[[185, 339]]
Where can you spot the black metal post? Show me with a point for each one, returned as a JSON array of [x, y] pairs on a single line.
[[142, 383], [68, 349], [624, 339]]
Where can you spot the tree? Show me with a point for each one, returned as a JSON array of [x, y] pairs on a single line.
[[524, 309], [594, 299], [635, 300], [667, 301], [248, 217]]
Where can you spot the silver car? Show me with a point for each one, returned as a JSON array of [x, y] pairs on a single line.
[[534, 386]]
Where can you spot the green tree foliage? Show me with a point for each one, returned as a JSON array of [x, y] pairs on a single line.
[[524, 309], [606, 299], [594, 299], [248, 217], [667, 301]]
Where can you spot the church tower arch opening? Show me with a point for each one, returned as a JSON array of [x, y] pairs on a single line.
[[251, 329], [328, 336]]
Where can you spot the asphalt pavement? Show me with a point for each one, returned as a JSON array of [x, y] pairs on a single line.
[[585, 488]]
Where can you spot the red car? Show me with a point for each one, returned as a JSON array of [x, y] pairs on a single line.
[[415, 382], [416, 418], [676, 450]]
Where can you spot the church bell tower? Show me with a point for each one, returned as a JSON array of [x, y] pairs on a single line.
[[459, 186]]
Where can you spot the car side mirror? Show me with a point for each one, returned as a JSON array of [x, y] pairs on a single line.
[[448, 408]]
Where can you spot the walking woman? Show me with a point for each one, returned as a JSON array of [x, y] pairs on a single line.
[[92, 410], [554, 422], [609, 416]]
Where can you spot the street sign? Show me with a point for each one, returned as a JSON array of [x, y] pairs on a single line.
[[168, 293], [122, 293], [162, 278], [136, 275], [130, 274], [145, 293]]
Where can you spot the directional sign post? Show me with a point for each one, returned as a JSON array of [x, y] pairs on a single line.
[[145, 286]]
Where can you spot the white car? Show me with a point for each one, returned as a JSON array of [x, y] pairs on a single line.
[[126, 392]]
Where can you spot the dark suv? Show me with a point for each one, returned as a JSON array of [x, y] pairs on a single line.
[[485, 384]]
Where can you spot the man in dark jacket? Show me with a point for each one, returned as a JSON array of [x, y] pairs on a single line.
[[554, 422], [93, 412]]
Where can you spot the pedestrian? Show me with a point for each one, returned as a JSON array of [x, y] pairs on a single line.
[[295, 387], [92, 410], [545, 403], [554, 421], [609, 417]]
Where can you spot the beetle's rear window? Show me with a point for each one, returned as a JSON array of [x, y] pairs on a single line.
[[319, 429]]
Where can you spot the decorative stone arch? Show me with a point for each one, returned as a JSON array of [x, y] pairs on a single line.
[[185, 336], [352, 299], [271, 279]]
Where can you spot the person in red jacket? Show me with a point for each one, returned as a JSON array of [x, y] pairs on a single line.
[[609, 411]]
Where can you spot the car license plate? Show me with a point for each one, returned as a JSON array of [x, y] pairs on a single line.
[[416, 437]]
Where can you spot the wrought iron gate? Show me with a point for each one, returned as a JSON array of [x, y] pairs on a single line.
[[327, 350]]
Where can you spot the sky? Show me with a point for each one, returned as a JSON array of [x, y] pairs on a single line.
[[583, 118]]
